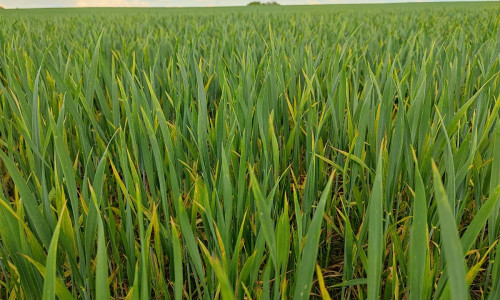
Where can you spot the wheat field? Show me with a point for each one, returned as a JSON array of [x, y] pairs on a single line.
[[343, 152]]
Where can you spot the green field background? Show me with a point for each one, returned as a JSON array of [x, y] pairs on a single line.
[[343, 151]]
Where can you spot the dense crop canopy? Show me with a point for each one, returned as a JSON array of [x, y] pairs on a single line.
[[257, 152]]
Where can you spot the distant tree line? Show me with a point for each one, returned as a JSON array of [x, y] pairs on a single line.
[[254, 3]]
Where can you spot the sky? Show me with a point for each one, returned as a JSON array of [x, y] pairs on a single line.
[[172, 3]]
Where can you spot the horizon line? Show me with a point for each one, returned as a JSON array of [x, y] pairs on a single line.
[[361, 2]]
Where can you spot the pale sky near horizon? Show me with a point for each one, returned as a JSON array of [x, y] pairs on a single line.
[[176, 3]]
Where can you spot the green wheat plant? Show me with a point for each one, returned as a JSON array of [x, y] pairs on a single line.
[[337, 152]]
